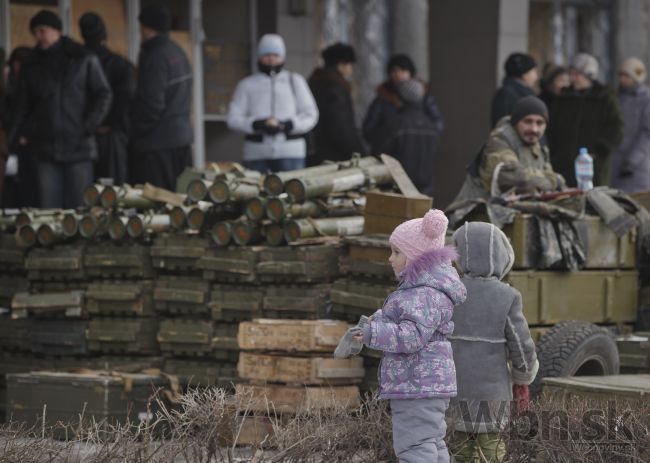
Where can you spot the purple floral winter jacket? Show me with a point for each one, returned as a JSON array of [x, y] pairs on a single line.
[[412, 328]]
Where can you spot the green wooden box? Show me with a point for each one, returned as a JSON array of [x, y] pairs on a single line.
[[597, 296]]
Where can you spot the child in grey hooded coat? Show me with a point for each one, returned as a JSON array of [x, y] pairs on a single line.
[[490, 332]]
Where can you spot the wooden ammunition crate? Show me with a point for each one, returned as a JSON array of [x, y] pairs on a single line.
[[123, 335], [16, 334], [299, 264], [120, 298], [186, 337], [238, 264], [603, 249], [63, 262], [176, 253], [224, 341], [634, 352], [118, 260], [253, 430], [385, 211], [59, 337], [274, 398], [12, 257], [297, 301], [192, 372], [352, 298], [69, 304], [98, 397], [121, 363], [368, 255], [597, 296], [236, 302], [300, 370], [291, 335], [182, 296], [9, 286]]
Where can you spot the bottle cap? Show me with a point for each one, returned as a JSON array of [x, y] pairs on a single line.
[[583, 150]]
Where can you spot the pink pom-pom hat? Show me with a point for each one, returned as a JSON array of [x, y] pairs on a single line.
[[420, 236]]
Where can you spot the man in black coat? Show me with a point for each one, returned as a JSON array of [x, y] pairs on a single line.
[[63, 96], [112, 134], [335, 136], [388, 103], [411, 137], [161, 126], [521, 77]]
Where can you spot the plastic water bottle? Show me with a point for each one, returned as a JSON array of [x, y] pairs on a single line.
[[584, 166]]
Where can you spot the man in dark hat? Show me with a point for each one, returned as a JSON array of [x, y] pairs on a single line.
[[112, 134], [161, 127], [513, 159], [335, 136], [63, 97], [388, 102], [521, 77]]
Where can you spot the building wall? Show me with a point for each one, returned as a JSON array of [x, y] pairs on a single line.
[[301, 33], [463, 76], [633, 30]]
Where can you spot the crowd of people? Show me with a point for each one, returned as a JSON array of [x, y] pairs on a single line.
[[71, 114]]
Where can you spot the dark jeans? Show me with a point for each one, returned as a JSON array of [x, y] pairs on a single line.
[[161, 168], [62, 184], [275, 165]]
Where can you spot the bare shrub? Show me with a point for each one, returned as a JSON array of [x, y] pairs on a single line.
[[337, 434], [581, 429], [205, 425]]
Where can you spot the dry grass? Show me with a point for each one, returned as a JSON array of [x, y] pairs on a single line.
[[203, 427]]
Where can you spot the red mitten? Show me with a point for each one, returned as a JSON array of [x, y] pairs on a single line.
[[521, 397]]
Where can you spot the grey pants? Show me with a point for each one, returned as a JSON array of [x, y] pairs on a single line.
[[418, 430]]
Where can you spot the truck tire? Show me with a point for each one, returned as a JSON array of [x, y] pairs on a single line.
[[575, 348]]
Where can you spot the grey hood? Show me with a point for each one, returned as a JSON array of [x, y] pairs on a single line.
[[483, 250]]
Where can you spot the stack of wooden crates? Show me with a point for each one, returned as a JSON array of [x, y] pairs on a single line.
[[289, 368]]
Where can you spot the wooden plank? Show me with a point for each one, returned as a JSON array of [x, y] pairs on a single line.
[[630, 387], [276, 398], [291, 335], [300, 370], [400, 177]]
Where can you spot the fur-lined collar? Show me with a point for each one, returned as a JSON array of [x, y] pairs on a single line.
[[426, 263], [388, 92]]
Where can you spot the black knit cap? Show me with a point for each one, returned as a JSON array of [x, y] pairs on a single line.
[[526, 106], [402, 62], [156, 17], [338, 53], [92, 28], [45, 18], [519, 64]]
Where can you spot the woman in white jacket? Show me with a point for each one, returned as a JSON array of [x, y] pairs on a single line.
[[274, 108]]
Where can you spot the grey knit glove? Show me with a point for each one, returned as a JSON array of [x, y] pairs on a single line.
[[348, 346]]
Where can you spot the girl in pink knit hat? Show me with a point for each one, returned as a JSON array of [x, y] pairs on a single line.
[[417, 372]]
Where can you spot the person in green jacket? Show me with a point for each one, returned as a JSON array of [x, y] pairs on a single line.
[[584, 115]]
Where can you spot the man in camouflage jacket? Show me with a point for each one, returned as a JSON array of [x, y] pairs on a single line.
[[513, 158]]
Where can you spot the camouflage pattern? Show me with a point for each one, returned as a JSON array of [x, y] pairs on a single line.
[[411, 329], [523, 164]]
